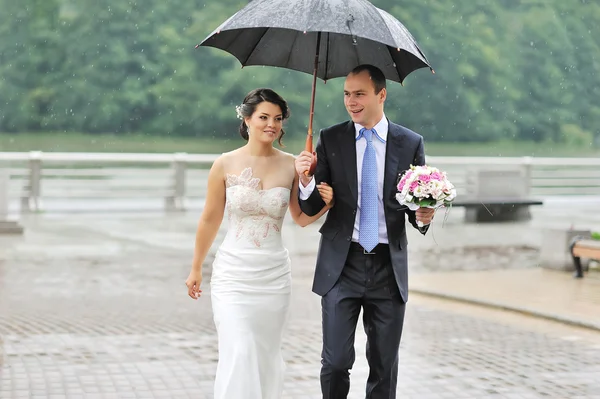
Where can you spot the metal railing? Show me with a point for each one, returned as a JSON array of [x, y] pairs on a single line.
[[177, 178]]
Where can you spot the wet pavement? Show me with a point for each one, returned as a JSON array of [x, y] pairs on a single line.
[[535, 291], [94, 306]]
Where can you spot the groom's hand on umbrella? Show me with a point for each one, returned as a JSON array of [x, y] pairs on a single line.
[[303, 163], [425, 215]]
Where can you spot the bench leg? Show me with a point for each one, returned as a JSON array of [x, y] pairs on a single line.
[[576, 259], [578, 269]]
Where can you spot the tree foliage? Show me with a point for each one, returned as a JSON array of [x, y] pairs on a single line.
[[505, 70]]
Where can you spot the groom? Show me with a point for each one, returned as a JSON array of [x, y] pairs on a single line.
[[362, 260]]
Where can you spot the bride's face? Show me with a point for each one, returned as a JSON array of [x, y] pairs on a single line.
[[265, 123]]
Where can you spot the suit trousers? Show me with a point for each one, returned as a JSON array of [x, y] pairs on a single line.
[[367, 282]]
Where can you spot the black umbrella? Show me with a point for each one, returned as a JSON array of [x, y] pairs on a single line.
[[326, 38]]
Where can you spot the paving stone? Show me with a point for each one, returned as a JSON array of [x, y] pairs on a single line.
[[104, 317]]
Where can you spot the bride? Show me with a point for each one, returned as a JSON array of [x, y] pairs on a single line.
[[251, 283]]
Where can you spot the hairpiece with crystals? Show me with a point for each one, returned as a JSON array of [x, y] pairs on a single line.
[[238, 111]]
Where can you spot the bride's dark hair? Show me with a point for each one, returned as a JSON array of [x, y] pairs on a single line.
[[256, 97]]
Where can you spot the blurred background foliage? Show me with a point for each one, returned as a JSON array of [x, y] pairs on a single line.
[[506, 70]]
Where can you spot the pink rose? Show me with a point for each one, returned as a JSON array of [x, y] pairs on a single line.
[[403, 180], [436, 176], [425, 178], [402, 183]]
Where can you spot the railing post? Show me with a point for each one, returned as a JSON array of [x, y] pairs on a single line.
[[32, 190], [528, 174], [6, 226], [175, 201], [4, 179]]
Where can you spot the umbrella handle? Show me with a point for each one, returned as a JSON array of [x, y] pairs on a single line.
[[309, 148], [309, 137]]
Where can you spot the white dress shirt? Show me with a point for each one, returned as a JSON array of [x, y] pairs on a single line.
[[361, 145]]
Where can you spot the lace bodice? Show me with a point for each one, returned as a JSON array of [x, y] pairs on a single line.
[[255, 215]]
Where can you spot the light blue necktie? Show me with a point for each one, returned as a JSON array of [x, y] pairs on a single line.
[[368, 230]]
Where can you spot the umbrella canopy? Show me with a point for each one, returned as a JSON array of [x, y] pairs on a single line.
[[326, 38], [345, 34]]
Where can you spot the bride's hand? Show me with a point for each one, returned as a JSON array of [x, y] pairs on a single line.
[[326, 192], [193, 284]]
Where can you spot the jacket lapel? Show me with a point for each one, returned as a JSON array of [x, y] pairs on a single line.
[[347, 142], [392, 160]]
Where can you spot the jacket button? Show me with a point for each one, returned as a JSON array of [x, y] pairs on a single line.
[[348, 238]]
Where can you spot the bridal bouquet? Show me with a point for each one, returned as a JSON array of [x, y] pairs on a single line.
[[424, 187]]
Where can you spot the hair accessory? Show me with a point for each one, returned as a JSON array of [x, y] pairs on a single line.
[[238, 111]]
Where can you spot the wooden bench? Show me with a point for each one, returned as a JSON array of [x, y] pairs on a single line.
[[497, 209], [496, 195], [584, 248]]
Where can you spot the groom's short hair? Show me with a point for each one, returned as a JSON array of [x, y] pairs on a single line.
[[377, 76]]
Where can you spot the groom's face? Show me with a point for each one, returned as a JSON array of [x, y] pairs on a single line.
[[364, 106]]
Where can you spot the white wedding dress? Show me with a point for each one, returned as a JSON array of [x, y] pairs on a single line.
[[250, 291]]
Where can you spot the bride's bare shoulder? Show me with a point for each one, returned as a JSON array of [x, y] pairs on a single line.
[[230, 158], [286, 156], [232, 154], [218, 165], [288, 162]]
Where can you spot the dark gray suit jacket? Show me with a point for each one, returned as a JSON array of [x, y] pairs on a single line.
[[336, 165]]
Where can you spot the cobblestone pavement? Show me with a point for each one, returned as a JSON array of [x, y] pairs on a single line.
[[95, 307]]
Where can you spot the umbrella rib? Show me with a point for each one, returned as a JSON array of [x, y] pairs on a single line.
[[386, 26], [326, 56], [357, 55], [410, 36], [292, 47], [391, 50], [256, 46]]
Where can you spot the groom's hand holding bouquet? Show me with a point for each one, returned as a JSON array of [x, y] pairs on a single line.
[[424, 188]]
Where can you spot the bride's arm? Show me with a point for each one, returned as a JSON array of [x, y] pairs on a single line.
[[298, 216], [208, 225]]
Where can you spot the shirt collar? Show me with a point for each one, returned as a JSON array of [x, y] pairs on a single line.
[[381, 128]]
